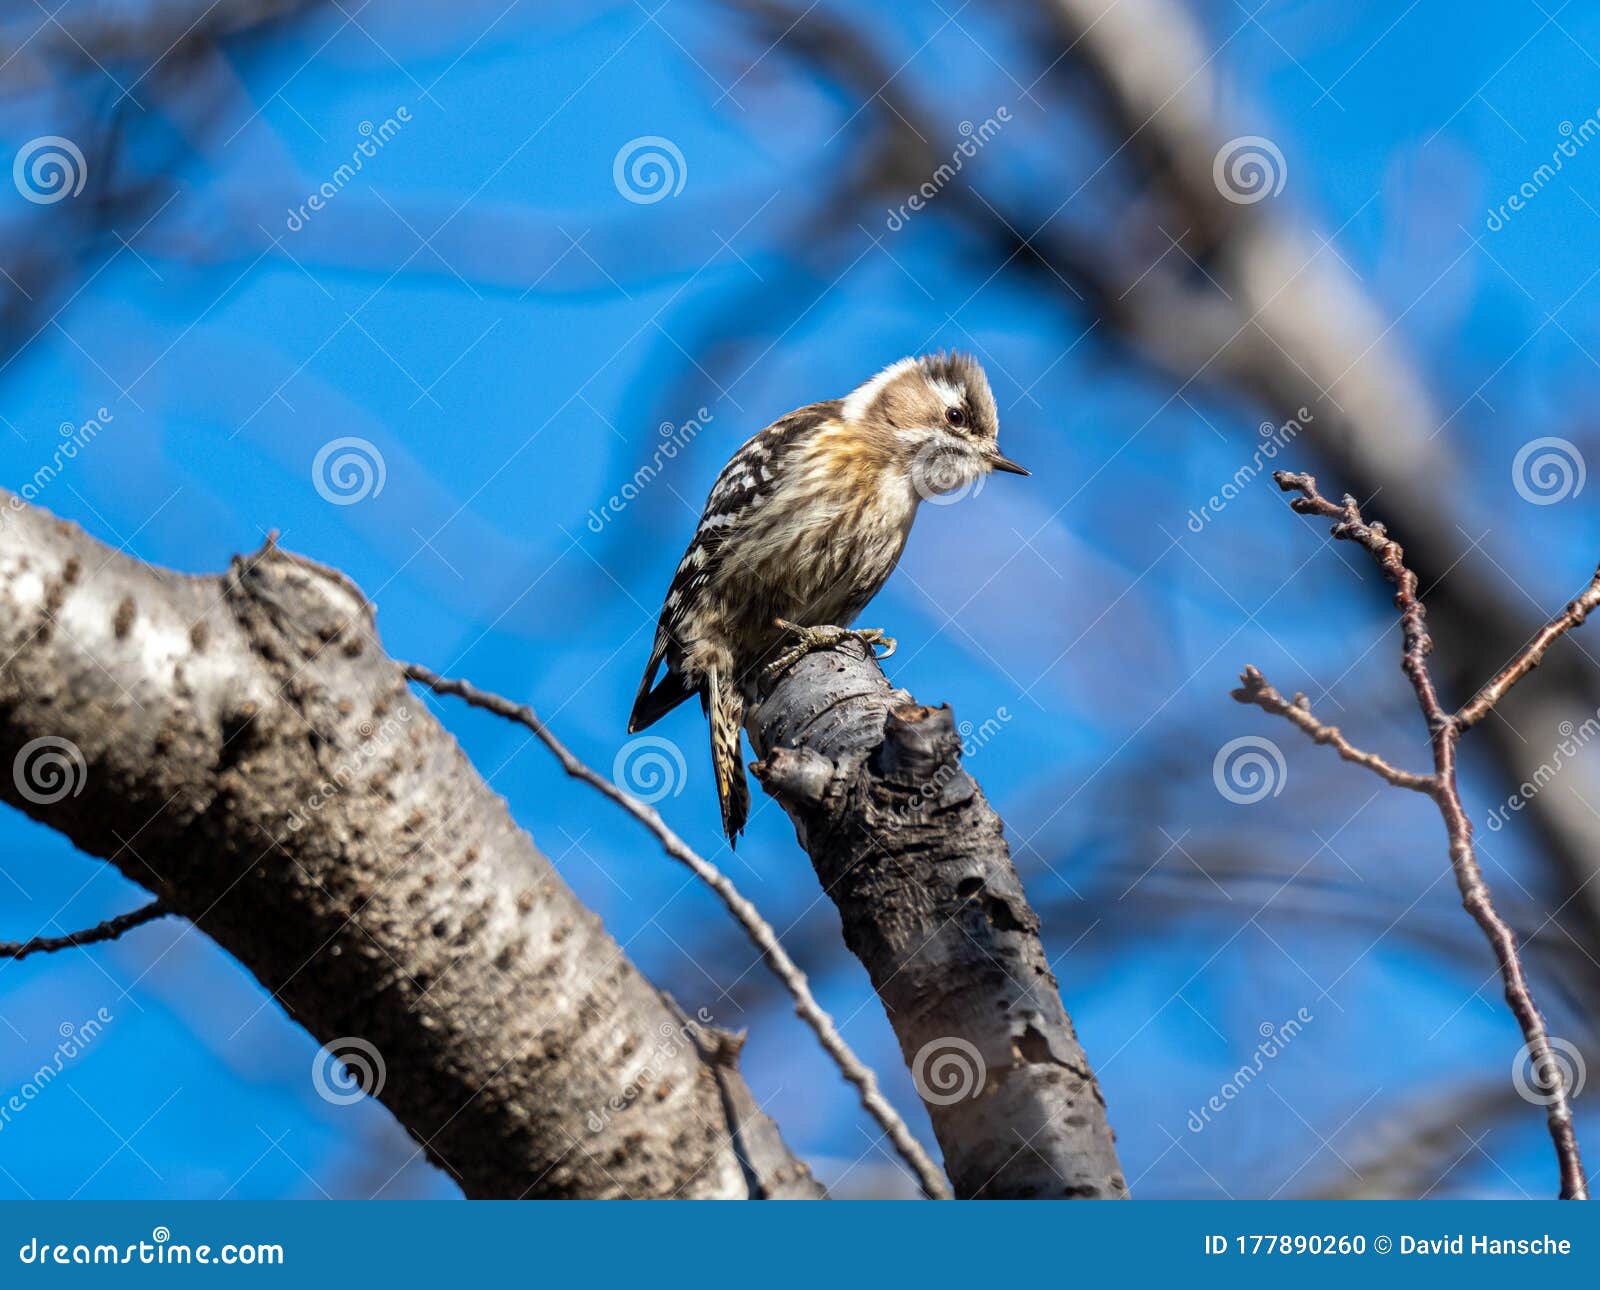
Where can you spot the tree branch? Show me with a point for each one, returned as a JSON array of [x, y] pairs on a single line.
[[916, 861], [1272, 313], [1531, 655], [746, 914], [1444, 732], [1296, 330], [106, 931], [1256, 690], [242, 745], [106, 33]]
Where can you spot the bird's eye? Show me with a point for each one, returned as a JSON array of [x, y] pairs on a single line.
[[956, 417]]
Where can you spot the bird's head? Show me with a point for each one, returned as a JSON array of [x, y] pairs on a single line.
[[940, 415]]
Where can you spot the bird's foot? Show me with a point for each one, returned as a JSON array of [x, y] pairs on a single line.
[[826, 637]]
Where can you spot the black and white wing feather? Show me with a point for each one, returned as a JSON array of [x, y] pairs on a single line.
[[746, 482]]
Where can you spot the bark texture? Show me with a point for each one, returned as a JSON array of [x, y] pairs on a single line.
[[916, 861], [241, 745]]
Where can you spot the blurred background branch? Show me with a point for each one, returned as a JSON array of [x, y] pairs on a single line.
[[1116, 208], [1552, 1084]]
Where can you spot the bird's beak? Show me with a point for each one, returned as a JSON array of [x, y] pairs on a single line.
[[997, 462]]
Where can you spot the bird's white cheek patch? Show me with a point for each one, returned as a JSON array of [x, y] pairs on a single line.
[[915, 436]]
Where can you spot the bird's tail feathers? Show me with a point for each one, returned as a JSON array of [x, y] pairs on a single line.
[[651, 704], [725, 710]]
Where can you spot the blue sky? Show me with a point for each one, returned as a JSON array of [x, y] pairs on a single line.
[[485, 307]]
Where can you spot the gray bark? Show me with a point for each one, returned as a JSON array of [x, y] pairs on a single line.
[[250, 754], [915, 859]]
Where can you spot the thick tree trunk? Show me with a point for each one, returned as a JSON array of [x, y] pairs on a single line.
[[242, 746], [916, 860]]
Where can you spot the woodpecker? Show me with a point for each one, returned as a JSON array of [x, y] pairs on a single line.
[[804, 524]]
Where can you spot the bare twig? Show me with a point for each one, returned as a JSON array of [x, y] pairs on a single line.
[[1444, 732], [106, 931], [1531, 655], [756, 927], [1298, 711]]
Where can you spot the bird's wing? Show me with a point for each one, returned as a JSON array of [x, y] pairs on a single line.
[[750, 476]]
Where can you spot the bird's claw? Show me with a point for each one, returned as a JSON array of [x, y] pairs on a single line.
[[826, 637]]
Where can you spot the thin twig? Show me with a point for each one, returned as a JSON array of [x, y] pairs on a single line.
[[1256, 690], [1482, 703], [106, 931], [1443, 732], [756, 927]]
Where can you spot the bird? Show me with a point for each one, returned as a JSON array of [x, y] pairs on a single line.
[[803, 526]]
